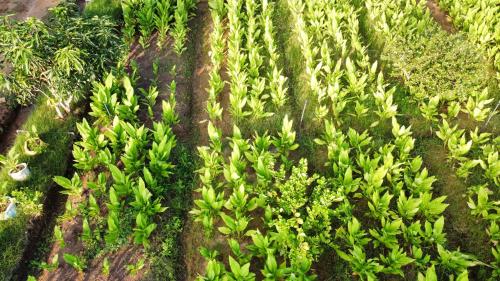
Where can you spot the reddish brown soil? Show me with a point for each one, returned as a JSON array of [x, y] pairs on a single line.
[[26, 8], [441, 17], [167, 59], [201, 70]]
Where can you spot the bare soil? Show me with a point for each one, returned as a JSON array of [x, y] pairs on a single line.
[[441, 17], [202, 67], [22, 9]]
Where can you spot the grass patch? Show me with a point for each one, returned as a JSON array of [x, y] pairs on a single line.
[[31, 193], [111, 8]]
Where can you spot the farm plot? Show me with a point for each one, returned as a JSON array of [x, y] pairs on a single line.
[[277, 140]]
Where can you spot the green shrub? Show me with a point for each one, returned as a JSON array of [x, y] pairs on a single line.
[[111, 8], [12, 242], [59, 58], [438, 63]]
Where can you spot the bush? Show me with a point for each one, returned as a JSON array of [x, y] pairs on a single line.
[[438, 63], [59, 58]]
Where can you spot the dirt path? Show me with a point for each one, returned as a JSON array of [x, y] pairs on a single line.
[[192, 235], [201, 33], [26, 8], [441, 17]]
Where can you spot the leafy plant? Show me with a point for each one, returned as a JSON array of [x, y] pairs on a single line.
[[210, 206], [76, 262], [179, 32], [143, 230], [71, 187], [238, 271], [53, 265], [133, 269], [162, 17], [146, 21], [59, 59], [105, 267]]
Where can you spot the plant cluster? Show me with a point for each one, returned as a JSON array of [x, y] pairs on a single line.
[[374, 206], [472, 152], [353, 84], [257, 85], [144, 17], [58, 59], [342, 79], [257, 179], [480, 20], [127, 169]]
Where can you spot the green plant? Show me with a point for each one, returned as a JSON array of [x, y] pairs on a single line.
[[179, 31], [146, 21], [163, 16], [238, 271], [142, 200], [478, 20], [455, 260], [365, 268], [71, 187], [431, 64], [133, 269], [58, 59], [53, 265], [150, 96], [273, 271], [105, 267], [75, 261], [143, 230], [10, 161], [209, 207], [159, 154], [168, 107]]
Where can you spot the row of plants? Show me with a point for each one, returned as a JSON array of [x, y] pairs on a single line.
[[257, 85], [480, 20], [50, 64], [165, 17], [277, 217], [264, 156], [443, 102], [342, 81], [365, 92], [125, 177]]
